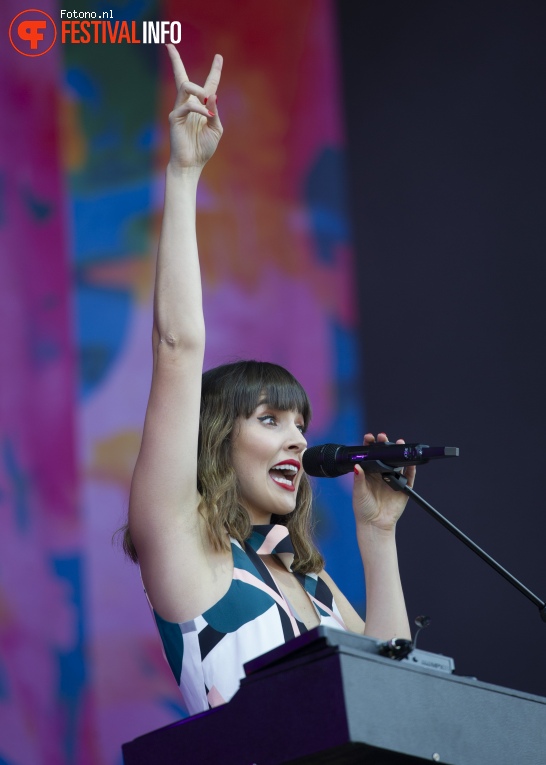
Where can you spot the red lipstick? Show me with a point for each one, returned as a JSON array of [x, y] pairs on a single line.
[[285, 481]]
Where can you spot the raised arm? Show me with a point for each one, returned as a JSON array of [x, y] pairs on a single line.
[[163, 518]]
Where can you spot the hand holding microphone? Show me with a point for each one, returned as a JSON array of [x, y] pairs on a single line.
[[333, 460], [373, 501]]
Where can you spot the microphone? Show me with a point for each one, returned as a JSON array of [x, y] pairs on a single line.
[[333, 460]]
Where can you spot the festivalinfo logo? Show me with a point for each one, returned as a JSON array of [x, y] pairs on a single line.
[[34, 32]]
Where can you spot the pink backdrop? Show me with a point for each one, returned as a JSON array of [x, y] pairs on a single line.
[[84, 144]]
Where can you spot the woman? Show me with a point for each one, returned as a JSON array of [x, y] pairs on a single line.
[[220, 462]]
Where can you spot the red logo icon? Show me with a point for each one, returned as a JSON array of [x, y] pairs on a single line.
[[32, 32]]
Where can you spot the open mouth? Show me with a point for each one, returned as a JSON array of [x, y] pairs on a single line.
[[284, 474]]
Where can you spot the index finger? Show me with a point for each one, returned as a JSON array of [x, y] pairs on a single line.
[[213, 80], [179, 72]]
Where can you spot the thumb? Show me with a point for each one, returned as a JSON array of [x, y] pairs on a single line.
[[212, 108]]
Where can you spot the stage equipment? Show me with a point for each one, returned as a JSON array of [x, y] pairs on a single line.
[[329, 697], [388, 459]]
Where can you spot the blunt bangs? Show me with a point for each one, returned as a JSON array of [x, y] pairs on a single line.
[[244, 385]]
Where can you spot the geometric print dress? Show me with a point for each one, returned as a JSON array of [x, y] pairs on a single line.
[[207, 654]]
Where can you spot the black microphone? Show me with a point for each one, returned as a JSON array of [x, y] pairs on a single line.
[[333, 460]]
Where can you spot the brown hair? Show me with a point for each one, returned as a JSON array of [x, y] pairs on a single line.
[[228, 392]]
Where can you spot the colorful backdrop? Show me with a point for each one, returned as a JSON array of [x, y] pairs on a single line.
[[83, 150]]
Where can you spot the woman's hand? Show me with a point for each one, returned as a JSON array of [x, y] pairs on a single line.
[[374, 502], [195, 126]]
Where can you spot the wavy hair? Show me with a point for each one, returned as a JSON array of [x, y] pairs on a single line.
[[228, 392]]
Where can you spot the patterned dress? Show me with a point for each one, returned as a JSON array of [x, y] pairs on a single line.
[[207, 654]]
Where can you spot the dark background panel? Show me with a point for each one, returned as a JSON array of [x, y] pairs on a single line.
[[446, 125]]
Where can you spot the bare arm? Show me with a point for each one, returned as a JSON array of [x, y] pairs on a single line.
[[163, 518], [377, 509]]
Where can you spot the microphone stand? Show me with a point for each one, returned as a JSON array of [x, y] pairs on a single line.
[[398, 482]]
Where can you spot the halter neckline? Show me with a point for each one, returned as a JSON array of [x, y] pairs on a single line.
[[273, 539]]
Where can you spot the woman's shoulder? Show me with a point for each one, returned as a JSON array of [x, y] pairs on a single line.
[[183, 577]]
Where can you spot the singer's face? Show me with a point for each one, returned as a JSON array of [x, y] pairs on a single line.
[[266, 454]]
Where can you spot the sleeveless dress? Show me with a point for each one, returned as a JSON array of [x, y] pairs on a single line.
[[207, 654]]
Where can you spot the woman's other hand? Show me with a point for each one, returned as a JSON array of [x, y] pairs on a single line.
[[195, 126], [374, 502]]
